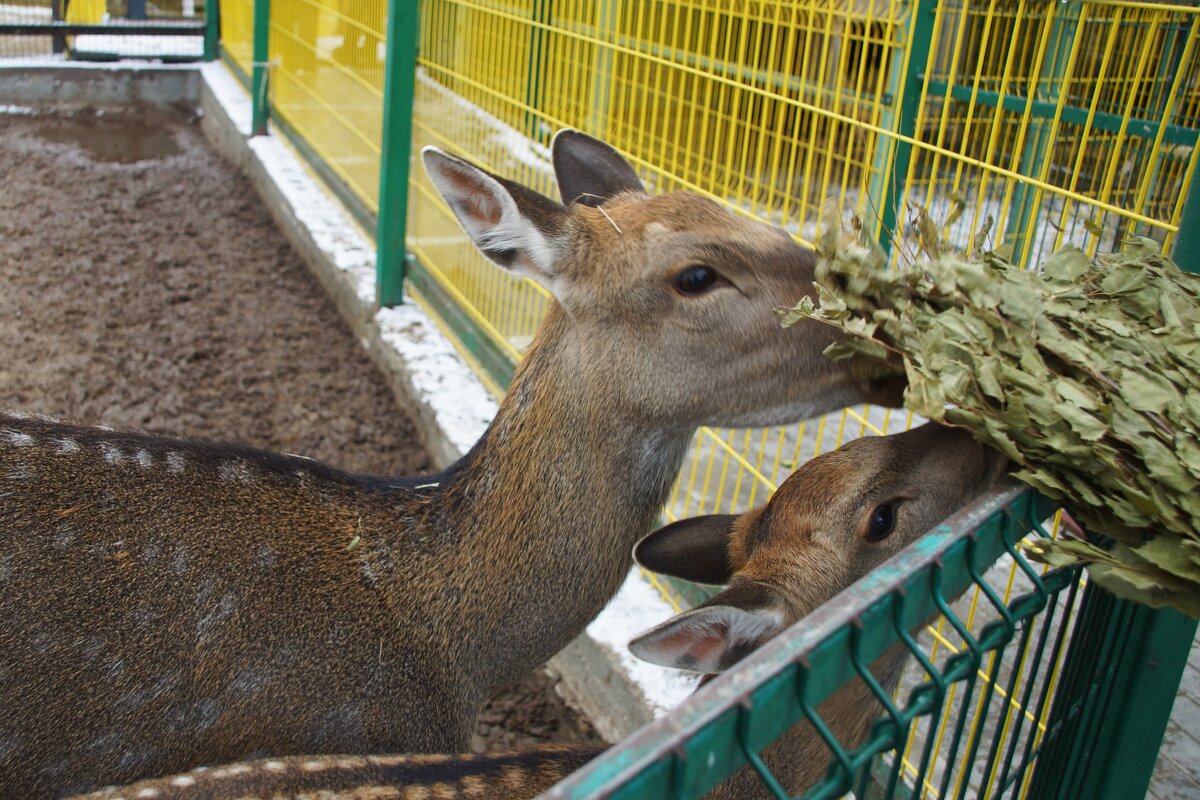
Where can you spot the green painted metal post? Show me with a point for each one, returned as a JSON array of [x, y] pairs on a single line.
[[1038, 147], [1124, 747], [912, 94], [398, 95], [259, 73], [1115, 695], [212, 28], [1186, 251]]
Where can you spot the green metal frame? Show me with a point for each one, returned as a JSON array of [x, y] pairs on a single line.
[[912, 91], [399, 86], [212, 28], [260, 74], [723, 726], [1186, 251], [1116, 691]]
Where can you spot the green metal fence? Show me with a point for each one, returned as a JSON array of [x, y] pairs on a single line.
[[999, 676]]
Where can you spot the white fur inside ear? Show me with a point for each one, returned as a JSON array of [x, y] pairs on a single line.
[[490, 216], [708, 639]]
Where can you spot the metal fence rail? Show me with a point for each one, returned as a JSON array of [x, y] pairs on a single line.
[[182, 30], [1000, 677]]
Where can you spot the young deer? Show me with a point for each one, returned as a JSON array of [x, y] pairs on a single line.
[[829, 524], [168, 603]]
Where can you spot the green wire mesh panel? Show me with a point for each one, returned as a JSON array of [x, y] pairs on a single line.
[[969, 721]]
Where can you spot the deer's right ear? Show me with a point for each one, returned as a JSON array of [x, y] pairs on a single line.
[[716, 635], [695, 549], [516, 228], [588, 170]]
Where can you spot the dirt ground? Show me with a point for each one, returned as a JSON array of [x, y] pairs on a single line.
[[143, 284]]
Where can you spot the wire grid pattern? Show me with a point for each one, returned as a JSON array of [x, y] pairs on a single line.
[[126, 41], [21, 12], [980, 712], [327, 68], [1058, 122], [972, 707], [237, 34]]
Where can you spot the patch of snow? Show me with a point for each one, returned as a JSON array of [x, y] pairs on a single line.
[[230, 94], [60, 61], [637, 607], [328, 223], [126, 45], [461, 405], [22, 111]]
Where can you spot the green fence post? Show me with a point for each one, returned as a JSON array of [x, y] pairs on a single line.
[[1186, 251], [399, 80], [912, 95], [1113, 701], [259, 73], [1038, 146], [212, 28]]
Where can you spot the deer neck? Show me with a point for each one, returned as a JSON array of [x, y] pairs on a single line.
[[553, 499]]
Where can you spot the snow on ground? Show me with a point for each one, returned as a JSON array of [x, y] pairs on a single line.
[[637, 607], [126, 45]]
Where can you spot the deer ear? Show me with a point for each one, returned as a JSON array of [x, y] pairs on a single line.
[[695, 549], [590, 171], [516, 228], [714, 636]]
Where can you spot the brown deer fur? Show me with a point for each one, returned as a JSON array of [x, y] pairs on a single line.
[[166, 603], [781, 561]]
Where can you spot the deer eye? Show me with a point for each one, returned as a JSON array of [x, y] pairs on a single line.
[[695, 280], [882, 522]]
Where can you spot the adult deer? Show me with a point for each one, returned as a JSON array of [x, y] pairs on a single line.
[[168, 603], [830, 523]]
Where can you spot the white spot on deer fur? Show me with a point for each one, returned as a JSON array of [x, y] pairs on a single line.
[[275, 766], [63, 535], [147, 793], [183, 780], [179, 562], [175, 462], [143, 459], [224, 610], [17, 439], [20, 472], [66, 447], [314, 766], [238, 471], [265, 557], [112, 454]]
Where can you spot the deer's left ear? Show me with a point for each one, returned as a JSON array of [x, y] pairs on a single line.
[[695, 549], [588, 170], [715, 636]]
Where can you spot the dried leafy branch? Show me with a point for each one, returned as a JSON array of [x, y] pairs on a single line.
[[1085, 372]]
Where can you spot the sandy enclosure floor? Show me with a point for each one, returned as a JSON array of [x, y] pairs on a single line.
[[143, 284]]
